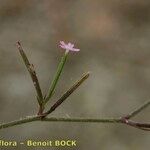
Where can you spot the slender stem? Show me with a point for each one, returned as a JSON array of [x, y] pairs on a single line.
[[56, 77], [67, 94], [137, 110], [142, 126], [53, 119], [89, 120], [42, 100], [19, 122], [32, 73], [138, 125]]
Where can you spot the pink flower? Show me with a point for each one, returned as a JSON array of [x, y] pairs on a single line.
[[68, 47]]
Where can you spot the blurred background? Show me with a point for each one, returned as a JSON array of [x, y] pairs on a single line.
[[114, 38]]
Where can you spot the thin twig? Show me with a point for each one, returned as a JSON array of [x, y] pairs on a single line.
[[67, 94], [56, 77], [137, 110], [53, 119], [32, 73], [142, 126], [43, 116], [89, 120], [79, 120], [19, 122]]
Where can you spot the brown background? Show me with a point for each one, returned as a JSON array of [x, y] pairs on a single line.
[[114, 38]]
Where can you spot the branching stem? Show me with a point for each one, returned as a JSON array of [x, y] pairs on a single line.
[[32, 73], [42, 101], [53, 119], [67, 94], [122, 120], [137, 110]]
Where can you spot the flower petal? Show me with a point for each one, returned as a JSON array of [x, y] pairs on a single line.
[[62, 46], [62, 43], [68, 47], [75, 49]]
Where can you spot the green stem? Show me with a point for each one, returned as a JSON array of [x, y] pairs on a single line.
[[137, 110], [67, 94], [56, 77], [19, 122], [142, 126], [32, 73], [53, 119], [89, 120]]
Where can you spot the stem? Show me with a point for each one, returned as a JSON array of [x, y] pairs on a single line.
[[89, 120], [19, 122], [122, 120], [53, 119], [138, 125], [137, 110], [56, 77], [67, 93], [32, 73]]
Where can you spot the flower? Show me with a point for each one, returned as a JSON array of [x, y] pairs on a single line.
[[68, 47]]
